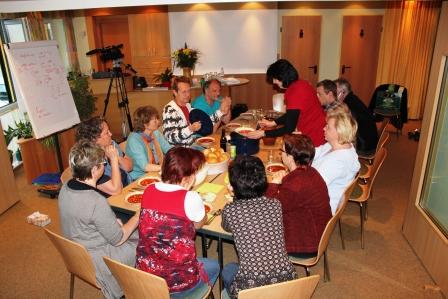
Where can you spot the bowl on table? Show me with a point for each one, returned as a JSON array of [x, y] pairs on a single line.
[[216, 160], [205, 141], [147, 180], [201, 174], [269, 140], [244, 145], [134, 198], [275, 167]]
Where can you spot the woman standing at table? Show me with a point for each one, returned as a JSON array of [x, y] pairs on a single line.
[[169, 215], [87, 218], [257, 227], [303, 110], [337, 160], [146, 145], [303, 195]]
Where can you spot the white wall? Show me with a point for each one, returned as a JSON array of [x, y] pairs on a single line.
[[240, 41], [82, 44]]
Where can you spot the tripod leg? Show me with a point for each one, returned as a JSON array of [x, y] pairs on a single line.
[[106, 101]]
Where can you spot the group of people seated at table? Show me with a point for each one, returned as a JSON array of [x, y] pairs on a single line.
[[269, 221]]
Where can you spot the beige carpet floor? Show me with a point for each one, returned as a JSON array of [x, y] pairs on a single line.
[[30, 267]]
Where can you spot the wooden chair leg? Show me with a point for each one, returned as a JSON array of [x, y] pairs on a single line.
[[362, 211], [326, 269], [307, 271], [340, 233], [72, 285]]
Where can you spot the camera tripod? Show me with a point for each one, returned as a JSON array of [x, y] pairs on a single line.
[[117, 79]]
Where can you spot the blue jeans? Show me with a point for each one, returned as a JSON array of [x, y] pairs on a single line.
[[212, 269], [228, 274]]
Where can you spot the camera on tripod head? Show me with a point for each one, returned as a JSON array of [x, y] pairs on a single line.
[[109, 53]]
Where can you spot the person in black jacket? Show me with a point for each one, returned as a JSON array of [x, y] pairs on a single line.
[[367, 136]]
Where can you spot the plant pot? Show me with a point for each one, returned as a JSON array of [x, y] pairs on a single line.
[[166, 84], [187, 72]]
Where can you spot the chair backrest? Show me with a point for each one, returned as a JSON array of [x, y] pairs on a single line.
[[323, 243], [76, 258], [377, 162], [384, 138], [278, 102], [136, 283], [66, 175], [302, 288]]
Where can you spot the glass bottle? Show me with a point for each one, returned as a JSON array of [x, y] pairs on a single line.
[[223, 140]]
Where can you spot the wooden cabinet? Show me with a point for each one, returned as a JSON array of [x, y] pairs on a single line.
[[38, 159], [8, 187], [149, 38]]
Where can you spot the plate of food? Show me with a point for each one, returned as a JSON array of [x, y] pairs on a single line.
[[275, 167], [244, 130], [246, 116], [208, 207], [148, 180], [205, 141], [233, 126], [134, 198]]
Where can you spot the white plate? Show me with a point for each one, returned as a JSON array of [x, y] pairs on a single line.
[[274, 167], [153, 178], [205, 141], [128, 196], [244, 130]]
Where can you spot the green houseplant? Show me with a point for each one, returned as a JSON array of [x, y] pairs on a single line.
[[23, 129], [164, 78], [82, 94]]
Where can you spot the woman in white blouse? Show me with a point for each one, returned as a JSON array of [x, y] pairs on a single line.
[[336, 160]]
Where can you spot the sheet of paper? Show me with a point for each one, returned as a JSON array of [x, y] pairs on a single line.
[[210, 187]]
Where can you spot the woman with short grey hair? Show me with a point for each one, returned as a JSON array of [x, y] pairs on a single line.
[[87, 218]]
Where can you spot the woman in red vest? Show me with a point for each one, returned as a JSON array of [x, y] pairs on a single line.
[[169, 215], [303, 110]]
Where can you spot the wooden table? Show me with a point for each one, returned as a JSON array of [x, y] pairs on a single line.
[[214, 229]]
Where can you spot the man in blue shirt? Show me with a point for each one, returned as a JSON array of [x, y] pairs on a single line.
[[211, 100]]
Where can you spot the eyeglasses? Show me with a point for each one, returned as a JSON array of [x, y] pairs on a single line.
[[104, 162]]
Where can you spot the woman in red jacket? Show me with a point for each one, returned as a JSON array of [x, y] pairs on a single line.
[[303, 195]]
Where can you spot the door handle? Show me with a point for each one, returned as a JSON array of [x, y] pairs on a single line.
[[344, 67], [314, 67]]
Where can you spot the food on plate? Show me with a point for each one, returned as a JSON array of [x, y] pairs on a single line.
[[215, 155], [275, 167], [134, 198], [205, 140], [233, 125], [147, 181], [243, 130], [208, 208]]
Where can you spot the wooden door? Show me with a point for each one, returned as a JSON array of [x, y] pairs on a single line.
[[361, 38], [301, 45], [112, 31]]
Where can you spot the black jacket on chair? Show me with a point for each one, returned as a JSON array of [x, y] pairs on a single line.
[[367, 136], [403, 117]]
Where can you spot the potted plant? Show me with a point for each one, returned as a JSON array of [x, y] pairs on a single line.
[[23, 129], [164, 78], [186, 59], [82, 94]]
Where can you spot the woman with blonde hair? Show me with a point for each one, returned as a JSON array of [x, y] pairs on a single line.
[[146, 145], [337, 160]]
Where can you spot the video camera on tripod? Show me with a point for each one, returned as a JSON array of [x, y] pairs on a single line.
[[109, 53], [117, 80]]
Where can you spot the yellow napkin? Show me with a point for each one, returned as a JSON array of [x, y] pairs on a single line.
[[209, 187]]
